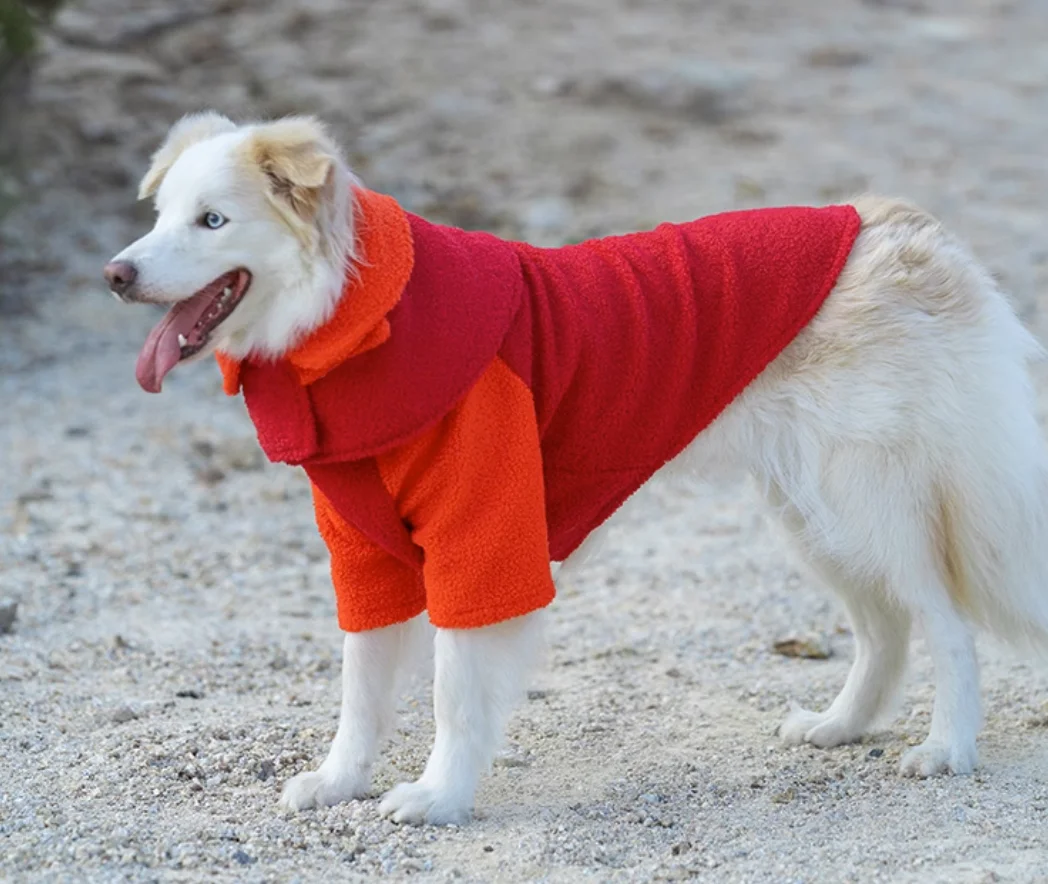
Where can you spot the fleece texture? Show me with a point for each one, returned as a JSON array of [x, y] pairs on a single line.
[[476, 407], [632, 345], [471, 488]]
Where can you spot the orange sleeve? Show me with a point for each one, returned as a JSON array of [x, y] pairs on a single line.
[[372, 588], [472, 489]]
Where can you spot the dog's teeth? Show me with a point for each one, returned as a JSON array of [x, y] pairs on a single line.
[[227, 291], [182, 342]]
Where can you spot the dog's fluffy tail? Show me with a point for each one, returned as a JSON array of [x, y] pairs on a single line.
[[991, 519]]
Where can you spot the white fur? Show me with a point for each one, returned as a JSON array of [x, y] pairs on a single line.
[[373, 665], [480, 675], [895, 438]]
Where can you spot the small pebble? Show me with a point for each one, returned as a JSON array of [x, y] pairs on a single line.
[[123, 714], [8, 613]]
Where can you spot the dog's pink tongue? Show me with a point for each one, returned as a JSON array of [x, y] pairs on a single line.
[[161, 351]]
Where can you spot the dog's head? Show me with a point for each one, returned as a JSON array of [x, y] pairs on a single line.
[[253, 236]]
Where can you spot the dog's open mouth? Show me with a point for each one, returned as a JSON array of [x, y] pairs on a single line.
[[188, 327]]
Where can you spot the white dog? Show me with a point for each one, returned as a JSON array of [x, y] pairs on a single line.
[[895, 437]]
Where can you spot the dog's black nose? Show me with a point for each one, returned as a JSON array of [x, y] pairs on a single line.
[[121, 276]]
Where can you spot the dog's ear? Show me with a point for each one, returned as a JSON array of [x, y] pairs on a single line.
[[185, 133], [298, 158]]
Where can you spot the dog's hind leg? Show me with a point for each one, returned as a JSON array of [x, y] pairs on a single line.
[[957, 714], [882, 631], [371, 664], [479, 676], [875, 518]]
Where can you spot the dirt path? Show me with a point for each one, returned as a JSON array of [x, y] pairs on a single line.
[[175, 655]]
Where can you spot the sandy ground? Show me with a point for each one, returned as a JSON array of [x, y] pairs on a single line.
[[175, 656]]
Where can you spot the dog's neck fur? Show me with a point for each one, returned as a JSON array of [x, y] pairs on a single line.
[[310, 284], [384, 255]]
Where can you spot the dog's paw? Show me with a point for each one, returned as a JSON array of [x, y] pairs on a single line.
[[933, 757], [794, 729], [818, 728], [417, 803], [322, 788]]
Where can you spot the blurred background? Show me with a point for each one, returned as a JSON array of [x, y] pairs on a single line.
[[554, 121], [170, 645]]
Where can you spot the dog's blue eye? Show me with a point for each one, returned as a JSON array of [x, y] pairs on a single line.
[[212, 220]]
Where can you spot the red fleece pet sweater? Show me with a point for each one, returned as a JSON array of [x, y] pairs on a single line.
[[476, 407]]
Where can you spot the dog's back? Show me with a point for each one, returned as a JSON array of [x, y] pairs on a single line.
[[632, 345]]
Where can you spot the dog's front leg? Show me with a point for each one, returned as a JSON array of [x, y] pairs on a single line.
[[371, 662], [480, 674]]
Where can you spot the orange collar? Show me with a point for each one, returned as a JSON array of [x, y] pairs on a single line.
[[359, 322]]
